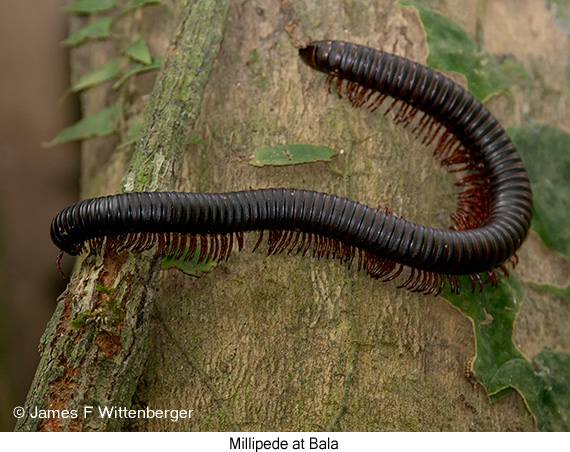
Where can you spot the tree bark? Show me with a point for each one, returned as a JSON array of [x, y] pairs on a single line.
[[280, 342], [96, 344]]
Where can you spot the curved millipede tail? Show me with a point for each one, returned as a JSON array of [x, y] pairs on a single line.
[[492, 219]]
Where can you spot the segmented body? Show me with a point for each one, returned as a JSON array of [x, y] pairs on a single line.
[[493, 215]]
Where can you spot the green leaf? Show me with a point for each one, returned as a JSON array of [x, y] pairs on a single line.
[[133, 135], [81, 319], [98, 29], [100, 124], [563, 292], [106, 290], [191, 267], [139, 3], [545, 389], [452, 49], [99, 75], [545, 151], [501, 367], [90, 6], [138, 68], [493, 313], [516, 73], [138, 51], [562, 12], [134, 131], [195, 140], [292, 154]]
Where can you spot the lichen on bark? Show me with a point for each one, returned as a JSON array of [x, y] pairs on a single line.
[[98, 361]]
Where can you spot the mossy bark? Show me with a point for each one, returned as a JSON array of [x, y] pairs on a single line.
[[280, 342], [96, 345]]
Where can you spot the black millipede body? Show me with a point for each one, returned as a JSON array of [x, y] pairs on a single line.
[[492, 219]]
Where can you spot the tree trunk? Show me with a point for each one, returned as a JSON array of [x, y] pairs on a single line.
[[96, 344], [280, 342]]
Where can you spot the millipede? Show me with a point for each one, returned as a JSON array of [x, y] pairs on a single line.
[[492, 218]]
